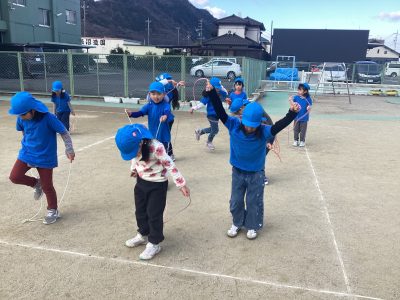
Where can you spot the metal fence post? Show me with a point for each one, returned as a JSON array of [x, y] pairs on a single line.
[[45, 71], [183, 77], [71, 73], [246, 74], [97, 77], [125, 64], [20, 71], [154, 73]]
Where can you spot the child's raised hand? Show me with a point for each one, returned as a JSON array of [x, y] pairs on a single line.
[[163, 118], [228, 100], [293, 105], [269, 146], [209, 86], [185, 191], [128, 113], [181, 83], [191, 110], [133, 174], [308, 107]]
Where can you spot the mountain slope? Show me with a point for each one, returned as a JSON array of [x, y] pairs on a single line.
[[126, 19]]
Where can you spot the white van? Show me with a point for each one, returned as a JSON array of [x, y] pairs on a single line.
[[392, 69]]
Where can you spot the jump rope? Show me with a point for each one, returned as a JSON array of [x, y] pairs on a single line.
[[34, 217]]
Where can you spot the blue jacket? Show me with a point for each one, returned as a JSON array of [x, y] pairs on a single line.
[[210, 108], [39, 142], [303, 116], [248, 151], [62, 103], [154, 112], [234, 96]]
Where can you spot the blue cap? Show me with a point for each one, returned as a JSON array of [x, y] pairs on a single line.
[[236, 105], [239, 79], [163, 76], [306, 86], [57, 86], [157, 87], [23, 102], [252, 115], [216, 82], [128, 139]]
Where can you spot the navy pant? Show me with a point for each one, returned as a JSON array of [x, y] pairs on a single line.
[[150, 200], [64, 118], [247, 199], [212, 130]]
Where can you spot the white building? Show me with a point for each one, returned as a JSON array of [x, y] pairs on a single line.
[[381, 52], [243, 27], [104, 45]]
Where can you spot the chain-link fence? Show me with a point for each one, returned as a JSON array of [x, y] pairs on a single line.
[[121, 75]]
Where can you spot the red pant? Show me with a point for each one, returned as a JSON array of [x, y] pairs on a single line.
[[18, 176]]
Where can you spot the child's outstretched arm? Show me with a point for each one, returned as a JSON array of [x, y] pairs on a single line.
[[285, 121], [217, 104], [169, 165], [69, 149]]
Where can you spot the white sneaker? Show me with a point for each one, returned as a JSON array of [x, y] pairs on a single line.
[[302, 144], [51, 217], [150, 251], [233, 231], [197, 132], [38, 192], [295, 143], [251, 234], [210, 146], [136, 241]]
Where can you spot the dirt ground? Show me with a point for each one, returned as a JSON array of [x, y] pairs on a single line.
[[332, 226]]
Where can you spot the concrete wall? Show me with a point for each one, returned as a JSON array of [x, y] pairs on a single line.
[[237, 29], [253, 33], [24, 22]]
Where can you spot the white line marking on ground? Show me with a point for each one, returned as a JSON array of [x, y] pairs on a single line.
[[328, 219], [185, 270], [91, 145], [101, 112]]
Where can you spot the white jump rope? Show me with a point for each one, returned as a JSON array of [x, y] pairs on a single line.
[[33, 218]]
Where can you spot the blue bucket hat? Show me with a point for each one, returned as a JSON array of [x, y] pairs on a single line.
[[163, 76], [236, 105], [306, 86], [128, 139], [216, 83], [252, 115], [57, 86], [23, 102], [239, 79], [157, 87]]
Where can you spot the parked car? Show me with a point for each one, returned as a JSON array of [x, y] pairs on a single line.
[[334, 71], [31, 59], [366, 72], [221, 68], [392, 69]]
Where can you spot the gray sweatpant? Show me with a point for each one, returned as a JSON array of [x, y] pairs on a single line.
[[300, 128]]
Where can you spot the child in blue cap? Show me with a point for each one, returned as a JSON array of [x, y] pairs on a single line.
[[248, 139], [39, 149], [212, 131], [171, 90], [159, 116], [150, 164], [301, 121], [62, 103], [238, 90], [237, 108]]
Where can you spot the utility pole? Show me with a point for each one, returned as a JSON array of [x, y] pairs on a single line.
[[148, 31], [178, 28], [84, 7], [200, 31]]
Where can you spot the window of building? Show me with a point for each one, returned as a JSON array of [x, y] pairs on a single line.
[[19, 2], [70, 17], [44, 17], [385, 52], [377, 51]]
